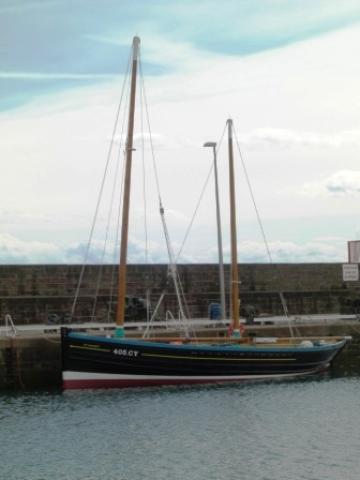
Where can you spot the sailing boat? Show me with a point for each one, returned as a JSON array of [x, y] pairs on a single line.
[[93, 361]]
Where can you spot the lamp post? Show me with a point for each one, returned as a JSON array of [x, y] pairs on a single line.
[[219, 235]]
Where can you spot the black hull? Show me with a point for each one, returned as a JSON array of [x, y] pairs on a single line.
[[98, 362]]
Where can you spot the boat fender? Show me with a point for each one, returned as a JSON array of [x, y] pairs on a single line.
[[306, 343]]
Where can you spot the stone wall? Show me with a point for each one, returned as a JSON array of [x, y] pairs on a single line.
[[33, 293], [30, 362]]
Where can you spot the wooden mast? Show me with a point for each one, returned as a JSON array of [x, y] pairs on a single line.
[[235, 303], [120, 313]]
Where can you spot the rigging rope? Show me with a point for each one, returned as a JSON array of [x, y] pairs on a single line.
[[282, 298], [143, 172], [110, 212], [183, 244], [199, 200], [116, 243], [150, 135], [147, 283], [107, 231], [193, 219], [121, 152], [100, 192], [172, 261]]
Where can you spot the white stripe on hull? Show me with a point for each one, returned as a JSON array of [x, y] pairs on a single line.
[[69, 376]]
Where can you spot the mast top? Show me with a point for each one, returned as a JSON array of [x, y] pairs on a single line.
[[229, 123], [135, 46]]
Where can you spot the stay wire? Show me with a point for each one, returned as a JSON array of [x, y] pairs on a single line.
[[116, 242], [192, 222], [146, 247], [199, 199], [144, 189], [107, 232], [101, 190], [262, 230], [110, 214], [193, 219], [171, 256], [253, 198], [150, 134], [121, 153]]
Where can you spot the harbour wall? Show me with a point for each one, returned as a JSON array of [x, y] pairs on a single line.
[[30, 362], [42, 293]]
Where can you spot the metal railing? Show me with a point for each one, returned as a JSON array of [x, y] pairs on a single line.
[[10, 329]]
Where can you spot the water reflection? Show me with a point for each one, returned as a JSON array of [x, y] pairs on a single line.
[[299, 429]]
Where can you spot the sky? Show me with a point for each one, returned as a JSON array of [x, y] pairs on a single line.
[[286, 72]]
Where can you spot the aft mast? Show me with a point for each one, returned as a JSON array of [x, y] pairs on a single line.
[[120, 313], [235, 303]]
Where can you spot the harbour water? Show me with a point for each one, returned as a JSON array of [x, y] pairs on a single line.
[[304, 429]]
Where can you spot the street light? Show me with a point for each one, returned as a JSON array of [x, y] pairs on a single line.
[[219, 236]]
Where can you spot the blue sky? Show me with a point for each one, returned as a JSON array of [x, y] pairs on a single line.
[[48, 46], [285, 70]]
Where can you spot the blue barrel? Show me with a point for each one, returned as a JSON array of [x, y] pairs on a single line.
[[214, 311]]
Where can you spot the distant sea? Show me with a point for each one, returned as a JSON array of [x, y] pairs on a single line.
[[304, 429]]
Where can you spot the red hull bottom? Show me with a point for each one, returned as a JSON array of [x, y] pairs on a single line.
[[91, 384]]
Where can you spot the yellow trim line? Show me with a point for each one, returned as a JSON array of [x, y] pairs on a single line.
[[220, 359], [96, 349]]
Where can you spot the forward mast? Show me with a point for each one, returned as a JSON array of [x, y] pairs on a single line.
[[120, 313]]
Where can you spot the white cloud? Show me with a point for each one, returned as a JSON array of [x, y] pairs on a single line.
[[19, 217], [291, 252], [295, 139], [162, 51], [304, 95], [157, 140], [14, 250], [52, 76], [342, 183]]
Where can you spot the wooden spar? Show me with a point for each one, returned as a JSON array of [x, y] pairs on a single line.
[[235, 303], [120, 313]]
